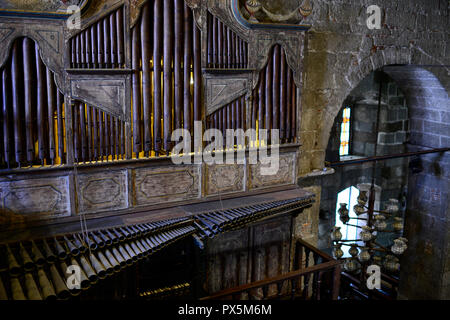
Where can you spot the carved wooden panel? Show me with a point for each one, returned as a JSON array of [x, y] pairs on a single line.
[[285, 174], [35, 198], [163, 184], [102, 191], [48, 36], [106, 92], [224, 178], [223, 89]]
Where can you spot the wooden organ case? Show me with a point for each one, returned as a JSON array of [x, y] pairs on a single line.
[[87, 117]]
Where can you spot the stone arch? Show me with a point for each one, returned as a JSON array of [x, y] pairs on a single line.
[[381, 58]]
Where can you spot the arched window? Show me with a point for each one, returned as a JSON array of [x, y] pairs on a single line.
[[344, 147]]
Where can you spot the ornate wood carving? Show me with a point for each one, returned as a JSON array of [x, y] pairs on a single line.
[[102, 191], [224, 178], [285, 175], [162, 184], [36, 198]]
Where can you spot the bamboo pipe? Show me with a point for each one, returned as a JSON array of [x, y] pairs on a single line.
[[120, 37], [89, 133], [283, 94], [27, 262], [48, 292], [80, 246], [187, 66], [95, 133], [14, 268], [229, 47], [197, 72], [241, 112], [113, 38], [113, 261], [94, 48], [3, 294], [15, 75], [77, 51], [269, 79], [82, 50], [16, 290], [233, 50], [59, 122], [87, 39], [293, 109], [276, 88], [48, 252], [255, 104], [241, 53], [125, 255], [76, 134], [107, 137], [168, 35], [38, 258], [31, 288], [73, 54], [6, 115], [118, 256], [214, 42], [90, 273], [41, 90], [210, 40], [219, 44], [60, 250], [101, 149], [116, 136], [98, 267], [146, 47], [83, 130], [28, 85], [136, 83], [105, 263], [106, 43], [177, 64], [51, 106], [289, 104], [157, 42], [245, 55], [100, 45]]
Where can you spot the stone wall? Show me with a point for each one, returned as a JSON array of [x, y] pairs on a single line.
[[341, 51]]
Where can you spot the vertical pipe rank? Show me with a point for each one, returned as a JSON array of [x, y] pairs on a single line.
[[187, 66], [178, 76], [146, 82], [51, 106], [135, 57], [276, 88], [28, 84], [168, 83], [40, 73], [157, 41]]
